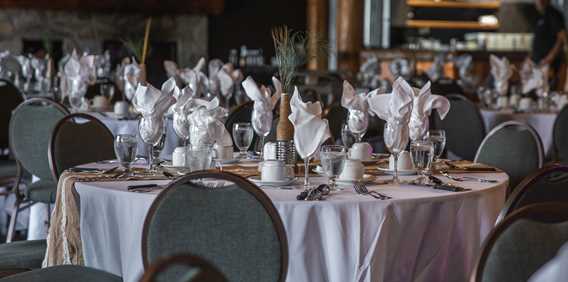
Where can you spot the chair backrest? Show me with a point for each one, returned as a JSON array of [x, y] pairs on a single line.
[[560, 136], [196, 269], [513, 147], [336, 116], [549, 184], [78, 139], [31, 126], [521, 243], [11, 98], [464, 127], [235, 227]]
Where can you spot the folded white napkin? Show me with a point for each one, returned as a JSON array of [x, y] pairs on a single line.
[[153, 105], [77, 74], [464, 63], [128, 76], [436, 70], [310, 130], [501, 70], [395, 108], [264, 104], [351, 101], [10, 67], [534, 77], [401, 67], [206, 126], [423, 103], [181, 110]]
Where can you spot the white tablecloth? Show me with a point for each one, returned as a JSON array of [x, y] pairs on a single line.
[[543, 123], [118, 126], [421, 235]]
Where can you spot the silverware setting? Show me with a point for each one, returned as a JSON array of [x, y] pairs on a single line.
[[466, 178], [361, 189]]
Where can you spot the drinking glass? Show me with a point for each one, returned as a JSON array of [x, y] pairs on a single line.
[[262, 123], [421, 153], [331, 158], [199, 157], [155, 137], [347, 137], [125, 150], [396, 139], [358, 122], [438, 139], [242, 134]]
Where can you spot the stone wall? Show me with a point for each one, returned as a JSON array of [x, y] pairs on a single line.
[[87, 31]]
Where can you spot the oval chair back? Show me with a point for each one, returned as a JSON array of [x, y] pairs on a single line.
[[11, 98], [464, 128], [79, 139], [549, 184], [560, 136], [513, 147], [522, 242], [235, 227], [197, 269], [31, 126]]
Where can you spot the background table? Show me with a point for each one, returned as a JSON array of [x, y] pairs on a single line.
[[124, 126], [543, 123], [421, 235]]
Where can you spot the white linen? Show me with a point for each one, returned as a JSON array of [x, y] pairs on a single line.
[[423, 102], [543, 123], [534, 77], [501, 70], [310, 130], [420, 235], [555, 270]]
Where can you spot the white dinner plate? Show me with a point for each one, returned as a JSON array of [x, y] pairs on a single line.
[[367, 178], [386, 170], [284, 182]]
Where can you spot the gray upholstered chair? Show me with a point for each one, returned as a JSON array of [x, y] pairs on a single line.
[[521, 243], [560, 136], [464, 127], [79, 139], [549, 184], [513, 147], [21, 255], [235, 227], [196, 269], [67, 273], [31, 125], [11, 98]]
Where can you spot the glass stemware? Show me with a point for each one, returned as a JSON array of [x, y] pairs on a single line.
[[125, 150], [421, 153], [156, 139], [358, 123], [396, 139], [331, 157], [262, 123], [438, 139], [242, 134], [199, 157], [347, 137]]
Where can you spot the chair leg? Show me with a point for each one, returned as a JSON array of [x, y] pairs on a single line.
[[13, 219]]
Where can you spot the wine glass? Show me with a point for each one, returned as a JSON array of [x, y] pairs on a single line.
[[347, 137], [358, 122], [262, 123], [153, 133], [421, 153], [125, 150], [242, 134], [331, 158], [438, 139], [199, 157], [396, 139]]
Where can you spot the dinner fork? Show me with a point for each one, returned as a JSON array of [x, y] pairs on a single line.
[[466, 178], [361, 189]]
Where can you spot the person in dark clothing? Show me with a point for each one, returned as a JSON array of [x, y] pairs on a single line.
[[549, 36]]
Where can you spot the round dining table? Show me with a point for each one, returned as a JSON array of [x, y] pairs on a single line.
[[421, 234], [542, 122]]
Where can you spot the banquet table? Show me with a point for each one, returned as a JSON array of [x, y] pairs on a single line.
[[130, 126], [542, 122], [421, 234]]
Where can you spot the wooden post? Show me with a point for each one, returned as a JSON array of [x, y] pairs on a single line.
[[317, 13], [349, 34]]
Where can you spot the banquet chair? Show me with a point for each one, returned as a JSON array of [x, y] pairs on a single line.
[[79, 139], [11, 98], [67, 273], [197, 269], [31, 125], [522, 242], [235, 227], [513, 147], [464, 127], [560, 136], [336, 116], [549, 184]]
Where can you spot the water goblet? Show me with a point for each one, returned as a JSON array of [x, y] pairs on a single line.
[[421, 153], [331, 158], [347, 137], [358, 122], [125, 150], [242, 134], [438, 139], [262, 124], [396, 139], [199, 157]]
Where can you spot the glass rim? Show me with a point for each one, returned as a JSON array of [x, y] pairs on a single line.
[[332, 147], [242, 123]]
